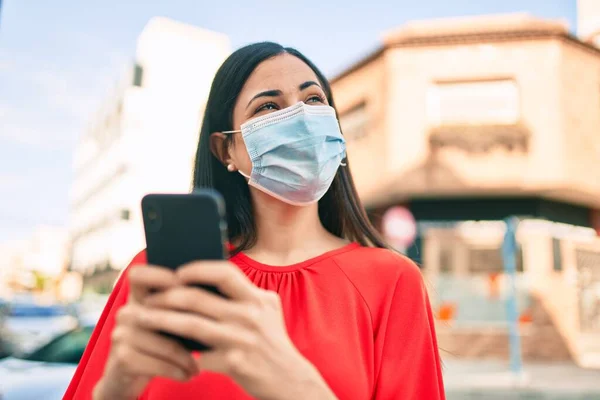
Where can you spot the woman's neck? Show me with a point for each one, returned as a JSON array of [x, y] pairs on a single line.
[[287, 234]]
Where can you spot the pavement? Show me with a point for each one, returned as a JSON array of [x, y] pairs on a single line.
[[487, 379]]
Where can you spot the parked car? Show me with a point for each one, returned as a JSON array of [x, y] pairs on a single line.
[[45, 373], [6, 347], [27, 326]]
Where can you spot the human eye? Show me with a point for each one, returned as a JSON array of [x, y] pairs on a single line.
[[316, 99], [270, 106]]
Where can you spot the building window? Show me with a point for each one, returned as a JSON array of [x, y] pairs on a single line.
[[490, 260], [473, 102], [125, 215], [138, 73], [588, 268], [557, 255], [446, 259], [485, 260], [355, 122]]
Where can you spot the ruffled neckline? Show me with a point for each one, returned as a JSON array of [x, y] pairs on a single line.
[[242, 258]]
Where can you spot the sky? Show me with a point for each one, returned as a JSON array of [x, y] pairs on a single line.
[[59, 59]]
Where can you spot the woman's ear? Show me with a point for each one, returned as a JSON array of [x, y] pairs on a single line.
[[219, 147]]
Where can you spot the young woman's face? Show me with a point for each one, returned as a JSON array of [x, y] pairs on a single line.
[[275, 84]]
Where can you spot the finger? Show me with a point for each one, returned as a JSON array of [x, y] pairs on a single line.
[[213, 361], [139, 363], [222, 274], [195, 327], [155, 345], [230, 362], [199, 301], [143, 279]]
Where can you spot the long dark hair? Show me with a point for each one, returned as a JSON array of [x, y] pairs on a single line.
[[340, 209]]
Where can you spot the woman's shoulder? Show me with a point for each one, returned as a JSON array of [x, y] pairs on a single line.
[[139, 258], [379, 262], [377, 275]]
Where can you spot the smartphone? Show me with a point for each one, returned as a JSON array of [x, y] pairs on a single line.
[[181, 228]]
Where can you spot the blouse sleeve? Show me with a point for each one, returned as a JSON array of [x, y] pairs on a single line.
[[91, 366], [410, 364]]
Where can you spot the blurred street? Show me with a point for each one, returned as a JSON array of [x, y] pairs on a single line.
[[479, 379]]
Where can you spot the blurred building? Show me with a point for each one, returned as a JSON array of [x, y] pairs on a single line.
[[588, 21], [35, 263], [478, 119], [47, 250], [11, 266], [142, 140]]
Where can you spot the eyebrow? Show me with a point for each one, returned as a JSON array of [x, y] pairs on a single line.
[[277, 92], [308, 84], [266, 93]]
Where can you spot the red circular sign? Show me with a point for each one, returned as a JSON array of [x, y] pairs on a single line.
[[399, 226]]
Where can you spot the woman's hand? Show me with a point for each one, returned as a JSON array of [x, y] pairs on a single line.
[[246, 331], [138, 353]]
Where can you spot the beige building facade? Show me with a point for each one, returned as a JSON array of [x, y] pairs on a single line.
[[495, 105], [468, 121]]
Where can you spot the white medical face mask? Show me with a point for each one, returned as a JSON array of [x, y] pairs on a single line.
[[295, 152]]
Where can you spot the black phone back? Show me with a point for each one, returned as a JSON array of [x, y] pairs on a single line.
[[181, 228]]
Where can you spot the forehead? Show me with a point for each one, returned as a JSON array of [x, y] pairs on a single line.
[[283, 72]]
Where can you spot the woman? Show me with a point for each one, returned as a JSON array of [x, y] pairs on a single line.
[[317, 308]]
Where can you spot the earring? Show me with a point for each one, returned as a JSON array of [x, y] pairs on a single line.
[[230, 167]]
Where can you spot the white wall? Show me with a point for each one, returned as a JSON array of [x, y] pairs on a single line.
[[155, 148]]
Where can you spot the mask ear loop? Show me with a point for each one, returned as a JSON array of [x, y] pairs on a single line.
[[343, 164], [230, 133]]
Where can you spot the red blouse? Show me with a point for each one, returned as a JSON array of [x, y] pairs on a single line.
[[360, 315]]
